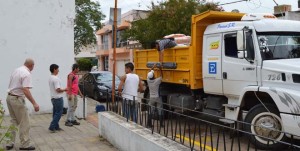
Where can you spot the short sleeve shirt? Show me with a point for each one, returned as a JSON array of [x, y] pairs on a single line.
[[55, 83], [154, 87], [20, 79], [165, 44]]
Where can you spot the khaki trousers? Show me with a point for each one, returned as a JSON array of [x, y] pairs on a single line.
[[19, 117], [72, 105]]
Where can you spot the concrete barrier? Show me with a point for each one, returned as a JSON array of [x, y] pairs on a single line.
[[128, 136]]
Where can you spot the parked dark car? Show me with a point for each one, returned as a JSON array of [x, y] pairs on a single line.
[[96, 84]]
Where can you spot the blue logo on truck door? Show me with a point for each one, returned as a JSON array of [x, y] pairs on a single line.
[[212, 67]]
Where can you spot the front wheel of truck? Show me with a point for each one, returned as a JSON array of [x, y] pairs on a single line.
[[267, 123]]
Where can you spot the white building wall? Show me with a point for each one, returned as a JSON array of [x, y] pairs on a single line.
[[293, 15], [42, 30]]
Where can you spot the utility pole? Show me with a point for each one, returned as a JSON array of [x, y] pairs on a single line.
[[114, 52]]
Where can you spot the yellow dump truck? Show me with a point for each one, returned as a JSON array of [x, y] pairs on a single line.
[[187, 58], [238, 67]]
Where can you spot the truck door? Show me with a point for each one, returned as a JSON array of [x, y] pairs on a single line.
[[212, 73], [237, 73]]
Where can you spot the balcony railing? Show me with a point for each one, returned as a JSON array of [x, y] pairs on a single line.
[[134, 46], [103, 47], [121, 45]]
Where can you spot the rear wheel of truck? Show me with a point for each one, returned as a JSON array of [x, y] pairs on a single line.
[[261, 122]]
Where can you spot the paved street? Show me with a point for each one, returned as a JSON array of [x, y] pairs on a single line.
[[77, 138]]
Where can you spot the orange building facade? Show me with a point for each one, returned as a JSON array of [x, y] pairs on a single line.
[[124, 49]]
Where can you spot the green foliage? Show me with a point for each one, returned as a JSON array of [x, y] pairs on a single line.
[[5, 131], [169, 17], [87, 21], [84, 64]]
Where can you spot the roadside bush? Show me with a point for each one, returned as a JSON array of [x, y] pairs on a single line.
[[84, 64], [5, 130]]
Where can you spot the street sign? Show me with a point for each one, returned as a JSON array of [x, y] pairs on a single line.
[[111, 16]]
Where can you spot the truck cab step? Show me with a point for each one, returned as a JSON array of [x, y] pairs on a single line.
[[226, 121], [231, 106]]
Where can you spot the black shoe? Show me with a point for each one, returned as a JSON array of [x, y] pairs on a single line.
[[27, 148], [51, 130], [68, 123], [75, 122], [9, 147], [59, 129]]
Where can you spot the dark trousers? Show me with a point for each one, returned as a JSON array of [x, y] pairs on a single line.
[[58, 105], [129, 109]]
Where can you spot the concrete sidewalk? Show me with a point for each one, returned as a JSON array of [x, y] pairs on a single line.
[[84, 137]]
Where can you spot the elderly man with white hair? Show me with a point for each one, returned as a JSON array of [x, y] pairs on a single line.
[[155, 99], [19, 88]]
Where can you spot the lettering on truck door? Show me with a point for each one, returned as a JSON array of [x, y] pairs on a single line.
[[237, 73]]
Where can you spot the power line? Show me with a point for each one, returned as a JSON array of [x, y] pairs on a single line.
[[232, 2], [259, 5], [275, 2]]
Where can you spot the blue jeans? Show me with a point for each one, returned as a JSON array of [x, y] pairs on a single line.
[[129, 109], [58, 105]]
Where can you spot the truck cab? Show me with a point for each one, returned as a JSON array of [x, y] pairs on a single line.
[[238, 67]]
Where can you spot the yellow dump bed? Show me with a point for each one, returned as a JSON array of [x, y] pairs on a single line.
[[187, 58]]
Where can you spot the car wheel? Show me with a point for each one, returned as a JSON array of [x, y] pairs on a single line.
[[96, 96], [261, 122]]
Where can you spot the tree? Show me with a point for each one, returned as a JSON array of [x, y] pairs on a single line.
[[85, 64], [87, 21], [169, 17]]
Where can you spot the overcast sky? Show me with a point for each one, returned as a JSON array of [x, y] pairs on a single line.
[[251, 6]]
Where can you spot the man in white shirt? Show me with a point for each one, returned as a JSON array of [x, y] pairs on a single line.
[[131, 85], [56, 92], [19, 88]]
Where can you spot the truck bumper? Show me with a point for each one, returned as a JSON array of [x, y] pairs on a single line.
[[291, 124]]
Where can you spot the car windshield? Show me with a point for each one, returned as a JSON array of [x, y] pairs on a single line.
[[279, 45], [104, 77]]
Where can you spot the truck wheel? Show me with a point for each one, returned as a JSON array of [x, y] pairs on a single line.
[[261, 122]]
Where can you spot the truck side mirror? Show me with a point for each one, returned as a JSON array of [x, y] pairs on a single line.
[[241, 40], [242, 54]]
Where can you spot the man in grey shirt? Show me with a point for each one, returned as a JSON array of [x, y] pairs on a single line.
[[153, 84]]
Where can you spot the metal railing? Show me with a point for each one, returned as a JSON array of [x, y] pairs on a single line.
[[194, 132]]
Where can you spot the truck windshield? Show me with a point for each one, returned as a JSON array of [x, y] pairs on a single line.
[[279, 45]]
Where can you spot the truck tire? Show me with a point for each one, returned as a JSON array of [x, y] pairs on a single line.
[[260, 117]]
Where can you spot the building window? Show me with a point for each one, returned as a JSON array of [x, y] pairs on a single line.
[[106, 63], [121, 42], [104, 41]]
